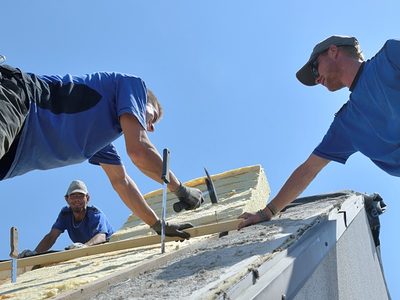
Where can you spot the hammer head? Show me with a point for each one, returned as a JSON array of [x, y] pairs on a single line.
[[211, 188]]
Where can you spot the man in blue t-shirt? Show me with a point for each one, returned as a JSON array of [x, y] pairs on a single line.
[[86, 225], [52, 121], [369, 122]]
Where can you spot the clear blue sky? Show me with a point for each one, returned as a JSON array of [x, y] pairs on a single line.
[[225, 73]]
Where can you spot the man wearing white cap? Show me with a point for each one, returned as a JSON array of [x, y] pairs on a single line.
[[369, 122], [86, 225]]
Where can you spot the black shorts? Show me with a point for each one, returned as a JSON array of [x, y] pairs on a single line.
[[14, 107]]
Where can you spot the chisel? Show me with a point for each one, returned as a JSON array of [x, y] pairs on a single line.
[[165, 181], [14, 253]]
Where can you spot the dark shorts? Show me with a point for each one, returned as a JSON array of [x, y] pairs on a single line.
[[14, 107]]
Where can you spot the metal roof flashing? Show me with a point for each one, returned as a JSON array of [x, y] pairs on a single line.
[[282, 276]]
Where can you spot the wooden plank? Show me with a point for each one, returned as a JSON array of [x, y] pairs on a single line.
[[118, 245]]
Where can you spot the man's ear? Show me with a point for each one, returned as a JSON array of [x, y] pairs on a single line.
[[88, 197], [333, 51], [66, 198]]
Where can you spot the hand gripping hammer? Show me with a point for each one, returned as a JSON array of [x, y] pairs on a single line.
[[211, 191]]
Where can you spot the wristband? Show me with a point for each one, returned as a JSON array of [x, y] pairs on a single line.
[[272, 209]]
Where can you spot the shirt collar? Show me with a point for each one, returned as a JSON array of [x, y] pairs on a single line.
[[355, 80]]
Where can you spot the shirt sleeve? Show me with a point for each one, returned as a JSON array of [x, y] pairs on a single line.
[[393, 52], [61, 222], [107, 155], [131, 97], [335, 145], [100, 224]]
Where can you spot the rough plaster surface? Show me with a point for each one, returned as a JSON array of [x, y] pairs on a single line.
[[208, 270]]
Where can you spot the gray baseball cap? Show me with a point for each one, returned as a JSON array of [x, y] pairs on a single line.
[[304, 75], [77, 186]]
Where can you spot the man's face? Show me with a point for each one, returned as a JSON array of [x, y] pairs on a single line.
[[326, 70], [152, 116], [77, 202]]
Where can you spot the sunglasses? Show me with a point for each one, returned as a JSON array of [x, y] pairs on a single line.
[[314, 68], [315, 63]]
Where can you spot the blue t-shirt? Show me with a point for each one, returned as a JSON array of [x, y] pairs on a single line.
[[94, 222], [370, 120], [75, 118]]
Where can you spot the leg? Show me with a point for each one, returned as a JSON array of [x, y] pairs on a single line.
[[14, 107]]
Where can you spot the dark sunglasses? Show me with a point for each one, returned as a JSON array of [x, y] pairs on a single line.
[[314, 68], [315, 63]]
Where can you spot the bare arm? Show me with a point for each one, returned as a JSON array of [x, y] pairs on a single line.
[[48, 241], [299, 181], [142, 152], [293, 187], [97, 239], [129, 193]]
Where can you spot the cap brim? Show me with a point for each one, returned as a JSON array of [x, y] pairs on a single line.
[[305, 76], [77, 191]]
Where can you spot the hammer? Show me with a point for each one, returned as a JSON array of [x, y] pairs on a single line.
[[14, 253], [179, 206], [165, 179]]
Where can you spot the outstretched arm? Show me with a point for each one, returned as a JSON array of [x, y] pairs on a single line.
[[129, 193], [48, 241], [293, 187]]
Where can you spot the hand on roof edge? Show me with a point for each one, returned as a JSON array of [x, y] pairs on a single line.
[[27, 253], [250, 218], [75, 246]]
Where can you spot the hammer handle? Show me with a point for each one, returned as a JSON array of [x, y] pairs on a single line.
[[165, 169], [14, 242]]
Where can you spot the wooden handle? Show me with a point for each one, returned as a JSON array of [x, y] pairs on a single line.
[[14, 242], [165, 169]]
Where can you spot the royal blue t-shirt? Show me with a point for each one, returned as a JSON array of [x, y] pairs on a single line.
[[75, 118], [94, 222], [370, 120]]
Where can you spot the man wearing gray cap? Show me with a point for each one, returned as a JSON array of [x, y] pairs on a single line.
[[369, 122], [86, 225]]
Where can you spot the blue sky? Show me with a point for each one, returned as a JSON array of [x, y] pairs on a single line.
[[225, 74]]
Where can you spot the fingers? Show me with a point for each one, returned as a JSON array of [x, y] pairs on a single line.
[[247, 219], [185, 226], [183, 234], [178, 233], [177, 207], [27, 253], [244, 215], [245, 223]]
